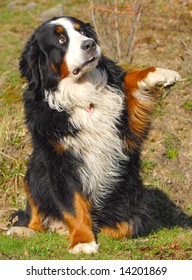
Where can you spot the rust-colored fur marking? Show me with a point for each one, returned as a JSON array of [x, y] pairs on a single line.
[[77, 26], [122, 230], [54, 68], [59, 29], [80, 224], [64, 70], [132, 78], [140, 110], [58, 147], [139, 114], [35, 222]]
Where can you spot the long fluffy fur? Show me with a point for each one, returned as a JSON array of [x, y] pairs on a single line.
[[85, 166], [97, 140]]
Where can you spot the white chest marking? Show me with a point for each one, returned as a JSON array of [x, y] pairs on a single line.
[[97, 141]]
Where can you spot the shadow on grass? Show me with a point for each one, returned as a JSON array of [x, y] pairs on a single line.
[[164, 212]]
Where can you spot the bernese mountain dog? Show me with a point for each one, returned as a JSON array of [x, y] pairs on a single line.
[[87, 118]]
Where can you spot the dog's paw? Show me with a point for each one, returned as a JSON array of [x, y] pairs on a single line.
[[87, 248], [160, 78], [20, 232]]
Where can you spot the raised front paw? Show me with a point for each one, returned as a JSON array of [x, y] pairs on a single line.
[[160, 78]]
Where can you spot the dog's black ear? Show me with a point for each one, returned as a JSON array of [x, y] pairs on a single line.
[[35, 66], [28, 64], [49, 79]]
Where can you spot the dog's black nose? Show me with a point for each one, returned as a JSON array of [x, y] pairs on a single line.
[[88, 45]]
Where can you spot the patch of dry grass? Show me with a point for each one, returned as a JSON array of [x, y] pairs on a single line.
[[14, 151]]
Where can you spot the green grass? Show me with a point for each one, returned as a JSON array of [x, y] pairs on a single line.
[[160, 109], [188, 105], [172, 144], [148, 165], [166, 244]]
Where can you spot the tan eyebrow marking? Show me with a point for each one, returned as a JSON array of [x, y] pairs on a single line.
[[77, 26], [59, 29]]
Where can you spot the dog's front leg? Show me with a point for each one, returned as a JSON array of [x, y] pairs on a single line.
[[140, 87], [80, 227]]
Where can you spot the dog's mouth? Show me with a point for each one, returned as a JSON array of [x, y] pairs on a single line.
[[90, 63], [90, 109]]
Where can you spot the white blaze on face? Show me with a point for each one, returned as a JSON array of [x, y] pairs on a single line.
[[75, 56]]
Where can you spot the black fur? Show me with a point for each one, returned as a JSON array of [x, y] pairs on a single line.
[[51, 177]]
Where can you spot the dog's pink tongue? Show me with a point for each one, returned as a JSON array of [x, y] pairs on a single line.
[[89, 110]]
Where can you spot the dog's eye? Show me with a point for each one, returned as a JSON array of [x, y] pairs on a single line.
[[82, 31], [62, 40]]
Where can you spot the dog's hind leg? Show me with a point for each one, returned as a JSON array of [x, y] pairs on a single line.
[[121, 230], [27, 222]]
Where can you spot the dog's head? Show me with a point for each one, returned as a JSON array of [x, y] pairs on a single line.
[[59, 48]]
